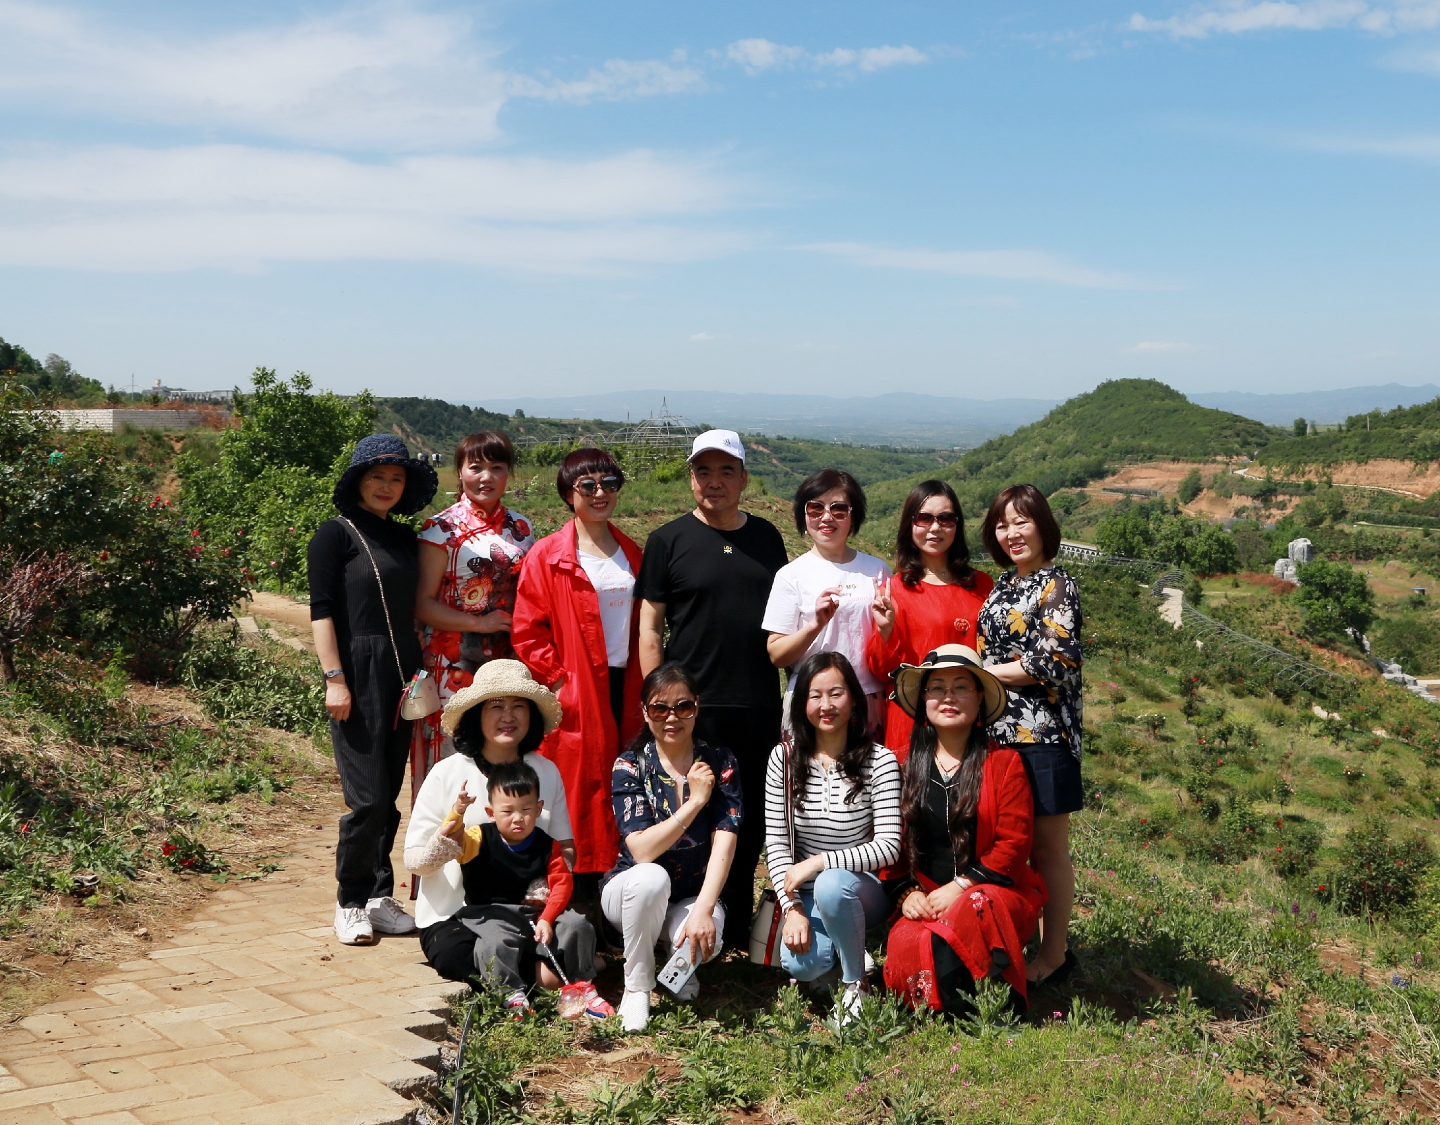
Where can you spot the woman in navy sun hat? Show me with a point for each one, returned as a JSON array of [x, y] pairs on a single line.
[[364, 568]]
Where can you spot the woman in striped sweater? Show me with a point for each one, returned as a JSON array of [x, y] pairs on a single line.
[[832, 819]]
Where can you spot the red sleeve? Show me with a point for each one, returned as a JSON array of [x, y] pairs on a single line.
[[1009, 851], [531, 633], [561, 884], [883, 656]]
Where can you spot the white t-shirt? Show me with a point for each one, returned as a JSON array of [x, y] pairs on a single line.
[[443, 892], [614, 584], [792, 605]]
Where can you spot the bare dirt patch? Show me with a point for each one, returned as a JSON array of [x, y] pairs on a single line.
[[1392, 475]]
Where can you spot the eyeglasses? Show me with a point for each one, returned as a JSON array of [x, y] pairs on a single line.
[[681, 709], [589, 486], [944, 519], [838, 510], [940, 691]]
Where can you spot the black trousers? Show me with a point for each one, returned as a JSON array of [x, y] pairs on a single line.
[[371, 756], [750, 733]]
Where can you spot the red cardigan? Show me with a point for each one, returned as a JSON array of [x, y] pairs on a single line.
[[987, 916], [556, 628], [926, 617]]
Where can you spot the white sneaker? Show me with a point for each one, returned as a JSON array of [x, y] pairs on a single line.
[[635, 1010], [848, 1002], [387, 916], [352, 925], [869, 963], [689, 990]]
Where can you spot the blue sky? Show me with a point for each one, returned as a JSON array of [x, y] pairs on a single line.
[[987, 199]]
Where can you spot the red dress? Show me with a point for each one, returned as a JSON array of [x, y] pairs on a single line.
[[987, 916], [926, 617], [556, 628]]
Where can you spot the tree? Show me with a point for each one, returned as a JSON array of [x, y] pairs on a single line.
[[1190, 486], [1125, 533], [1212, 552], [1302, 427], [1333, 597], [30, 587]]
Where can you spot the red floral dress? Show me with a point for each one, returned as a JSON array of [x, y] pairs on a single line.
[[482, 569]]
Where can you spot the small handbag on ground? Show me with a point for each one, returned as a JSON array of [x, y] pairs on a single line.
[[419, 696], [767, 926]]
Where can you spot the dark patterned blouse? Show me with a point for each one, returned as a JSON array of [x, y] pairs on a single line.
[[1036, 620]]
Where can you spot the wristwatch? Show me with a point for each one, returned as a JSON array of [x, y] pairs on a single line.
[[332, 673]]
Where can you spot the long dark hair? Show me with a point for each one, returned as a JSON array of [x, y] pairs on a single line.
[[908, 563], [801, 747], [923, 741], [470, 739], [667, 675]]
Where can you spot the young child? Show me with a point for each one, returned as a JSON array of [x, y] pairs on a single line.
[[517, 886]]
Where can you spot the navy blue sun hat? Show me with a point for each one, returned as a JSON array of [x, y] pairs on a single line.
[[387, 449]]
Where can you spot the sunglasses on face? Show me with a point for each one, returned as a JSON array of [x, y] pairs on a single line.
[[926, 519], [838, 510], [589, 486], [681, 709]]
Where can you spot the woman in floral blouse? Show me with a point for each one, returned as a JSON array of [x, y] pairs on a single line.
[[470, 556], [1030, 639]]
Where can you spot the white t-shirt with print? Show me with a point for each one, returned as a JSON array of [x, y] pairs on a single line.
[[614, 584], [792, 605]]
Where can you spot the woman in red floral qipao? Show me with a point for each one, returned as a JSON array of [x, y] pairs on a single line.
[[470, 557]]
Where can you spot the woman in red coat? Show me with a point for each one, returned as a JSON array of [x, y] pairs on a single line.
[[576, 629], [937, 600], [973, 900]]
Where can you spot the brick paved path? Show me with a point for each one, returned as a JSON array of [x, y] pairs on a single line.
[[253, 1013]]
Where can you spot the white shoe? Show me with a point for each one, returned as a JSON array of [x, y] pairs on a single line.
[[869, 963], [635, 1010], [387, 916], [848, 1002], [352, 925], [689, 990]]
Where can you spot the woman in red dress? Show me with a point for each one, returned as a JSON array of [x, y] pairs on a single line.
[[973, 900], [937, 600]]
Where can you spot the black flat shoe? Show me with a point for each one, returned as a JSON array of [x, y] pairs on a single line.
[[1061, 973]]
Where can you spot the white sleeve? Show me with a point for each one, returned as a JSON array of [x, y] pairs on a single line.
[[425, 820], [783, 613], [552, 792]]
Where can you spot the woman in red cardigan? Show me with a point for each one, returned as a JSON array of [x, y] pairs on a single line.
[[937, 600], [576, 629], [973, 900]]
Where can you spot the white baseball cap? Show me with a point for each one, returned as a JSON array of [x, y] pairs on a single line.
[[726, 441]]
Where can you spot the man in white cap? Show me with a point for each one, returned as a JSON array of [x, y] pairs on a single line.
[[707, 575]]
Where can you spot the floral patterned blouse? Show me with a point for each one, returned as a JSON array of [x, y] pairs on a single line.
[[481, 572], [1037, 620]]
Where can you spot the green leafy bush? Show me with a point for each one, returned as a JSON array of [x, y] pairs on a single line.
[[1190, 486], [1291, 850], [259, 682], [1378, 873], [1334, 597]]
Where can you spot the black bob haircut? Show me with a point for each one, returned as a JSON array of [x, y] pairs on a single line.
[[1030, 502], [514, 779], [581, 463], [470, 739], [826, 480]]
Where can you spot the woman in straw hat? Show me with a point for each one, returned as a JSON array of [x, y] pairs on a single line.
[[363, 573], [973, 900], [500, 717]]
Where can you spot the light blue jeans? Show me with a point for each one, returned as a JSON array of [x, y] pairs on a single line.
[[841, 908]]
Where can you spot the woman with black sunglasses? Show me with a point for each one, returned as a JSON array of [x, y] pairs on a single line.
[[937, 600], [679, 807], [576, 629], [821, 601]]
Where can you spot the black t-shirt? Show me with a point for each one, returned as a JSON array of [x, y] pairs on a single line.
[[715, 585]]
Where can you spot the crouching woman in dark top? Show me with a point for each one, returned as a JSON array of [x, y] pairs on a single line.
[[973, 900], [363, 570]]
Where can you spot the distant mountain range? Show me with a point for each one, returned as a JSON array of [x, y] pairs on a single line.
[[930, 420]]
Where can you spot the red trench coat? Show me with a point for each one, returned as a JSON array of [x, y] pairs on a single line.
[[556, 628], [987, 916]]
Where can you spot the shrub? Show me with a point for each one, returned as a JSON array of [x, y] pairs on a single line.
[[1292, 848], [1334, 597], [1190, 486], [1377, 873], [260, 682]]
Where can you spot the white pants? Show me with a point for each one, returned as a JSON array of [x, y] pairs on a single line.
[[638, 901]]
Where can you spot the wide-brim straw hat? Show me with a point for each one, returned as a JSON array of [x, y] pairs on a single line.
[[908, 678], [497, 678]]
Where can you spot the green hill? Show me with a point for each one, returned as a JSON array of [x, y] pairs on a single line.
[[1120, 421], [1407, 433]]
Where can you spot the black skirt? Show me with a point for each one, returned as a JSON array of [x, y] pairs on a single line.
[[1054, 774]]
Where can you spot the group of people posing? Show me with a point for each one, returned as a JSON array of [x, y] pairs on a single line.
[[612, 750]]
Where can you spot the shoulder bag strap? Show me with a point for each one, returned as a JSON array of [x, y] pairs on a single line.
[[384, 605], [785, 782]]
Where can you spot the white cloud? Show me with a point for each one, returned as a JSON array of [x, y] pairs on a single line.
[[1238, 17], [1011, 265], [230, 206], [702, 338], [757, 55], [1419, 146], [617, 80], [809, 346], [1151, 346]]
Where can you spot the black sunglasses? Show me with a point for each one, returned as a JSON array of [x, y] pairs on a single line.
[[589, 486], [944, 519], [681, 708]]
